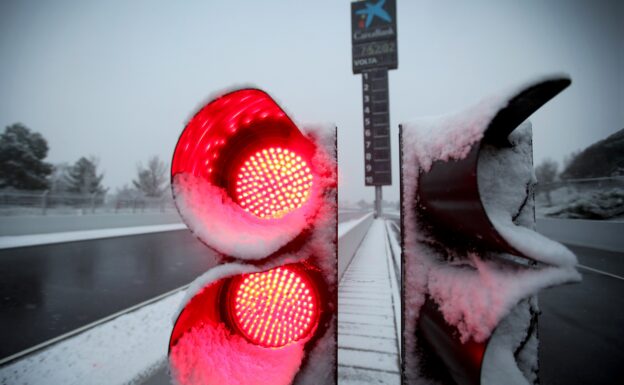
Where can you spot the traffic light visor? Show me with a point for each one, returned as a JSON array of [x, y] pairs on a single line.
[[245, 179]]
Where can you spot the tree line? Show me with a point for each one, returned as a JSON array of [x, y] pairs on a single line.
[[604, 158], [23, 167]]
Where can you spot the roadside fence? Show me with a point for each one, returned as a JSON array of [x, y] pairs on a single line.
[[21, 202]]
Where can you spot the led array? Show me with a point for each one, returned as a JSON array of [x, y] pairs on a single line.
[[273, 182], [275, 307]]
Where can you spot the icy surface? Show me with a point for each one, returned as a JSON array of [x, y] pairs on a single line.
[[476, 293], [121, 351]]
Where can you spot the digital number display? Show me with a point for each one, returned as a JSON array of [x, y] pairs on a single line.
[[374, 48]]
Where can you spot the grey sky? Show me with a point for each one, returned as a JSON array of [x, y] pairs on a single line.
[[118, 79]]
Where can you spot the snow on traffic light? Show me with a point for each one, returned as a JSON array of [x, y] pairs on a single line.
[[472, 261], [262, 193]]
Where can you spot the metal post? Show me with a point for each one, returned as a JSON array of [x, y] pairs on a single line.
[[93, 202], [378, 199], [44, 202]]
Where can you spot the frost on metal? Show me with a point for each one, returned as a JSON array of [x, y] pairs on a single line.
[[483, 295]]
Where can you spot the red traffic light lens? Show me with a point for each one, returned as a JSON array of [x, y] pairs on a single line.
[[275, 307], [273, 182]]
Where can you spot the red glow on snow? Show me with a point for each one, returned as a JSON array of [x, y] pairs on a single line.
[[275, 307], [273, 182]]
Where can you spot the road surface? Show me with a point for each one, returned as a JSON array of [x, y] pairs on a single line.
[[50, 290], [581, 327]]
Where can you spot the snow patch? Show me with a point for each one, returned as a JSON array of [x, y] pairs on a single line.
[[211, 355], [511, 355], [122, 351], [222, 224], [9, 242], [506, 179], [475, 297], [209, 277]]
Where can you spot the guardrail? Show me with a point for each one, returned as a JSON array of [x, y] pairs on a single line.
[[22, 202], [604, 235], [37, 224], [350, 235]]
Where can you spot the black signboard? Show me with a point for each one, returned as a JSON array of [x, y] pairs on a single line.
[[374, 35], [377, 167]]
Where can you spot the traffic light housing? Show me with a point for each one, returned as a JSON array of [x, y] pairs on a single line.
[[261, 193], [472, 261]]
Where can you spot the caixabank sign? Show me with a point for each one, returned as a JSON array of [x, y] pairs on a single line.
[[374, 35]]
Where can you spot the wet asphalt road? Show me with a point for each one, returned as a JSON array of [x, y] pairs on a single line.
[[581, 328], [49, 290]]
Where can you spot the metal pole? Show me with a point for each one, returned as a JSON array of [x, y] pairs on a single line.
[[378, 199], [44, 202]]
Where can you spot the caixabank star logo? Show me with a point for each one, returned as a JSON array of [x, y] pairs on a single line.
[[373, 13]]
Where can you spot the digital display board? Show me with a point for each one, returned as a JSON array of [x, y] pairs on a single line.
[[374, 35]]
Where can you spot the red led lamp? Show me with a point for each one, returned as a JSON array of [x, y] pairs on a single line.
[[273, 182], [271, 309], [244, 142]]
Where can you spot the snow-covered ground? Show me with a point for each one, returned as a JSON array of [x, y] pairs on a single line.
[[124, 350], [8, 242], [588, 202], [368, 329], [47, 224]]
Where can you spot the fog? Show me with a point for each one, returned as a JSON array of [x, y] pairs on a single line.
[[119, 79]]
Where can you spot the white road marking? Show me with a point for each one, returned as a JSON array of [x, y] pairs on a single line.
[[600, 272]]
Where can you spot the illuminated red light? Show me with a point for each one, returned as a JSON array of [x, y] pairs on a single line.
[[273, 182], [275, 307]]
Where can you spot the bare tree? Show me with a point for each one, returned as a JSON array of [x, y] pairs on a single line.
[[59, 178], [152, 180], [546, 174]]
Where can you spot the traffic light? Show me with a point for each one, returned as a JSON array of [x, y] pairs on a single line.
[[472, 262], [261, 193]]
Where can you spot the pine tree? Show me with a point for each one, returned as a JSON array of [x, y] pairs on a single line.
[[83, 177], [21, 159]]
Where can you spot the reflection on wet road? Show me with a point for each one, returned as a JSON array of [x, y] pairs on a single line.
[[49, 290]]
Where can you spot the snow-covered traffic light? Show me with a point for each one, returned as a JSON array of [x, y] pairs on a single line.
[[472, 262], [261, 193]]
